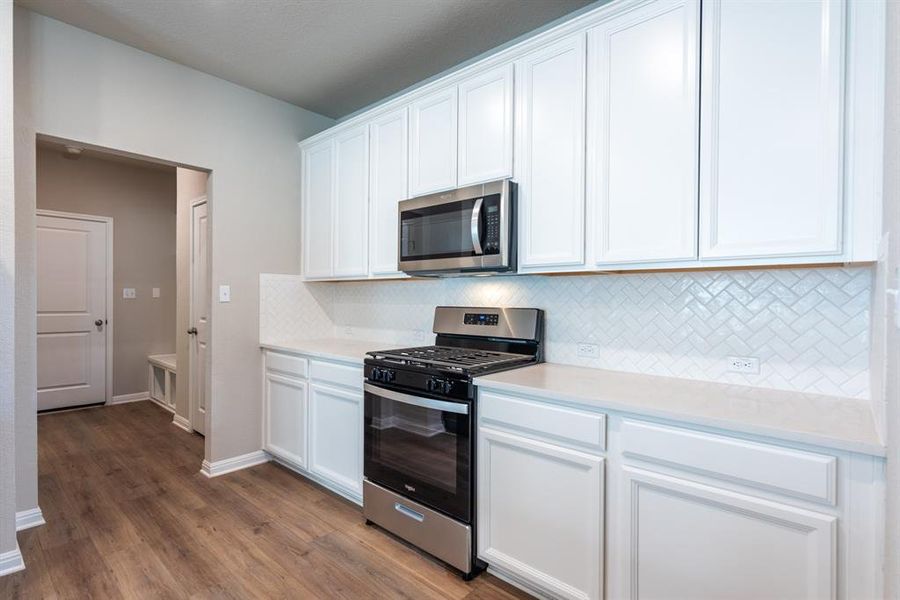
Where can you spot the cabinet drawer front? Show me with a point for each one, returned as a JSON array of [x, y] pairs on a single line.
[[285, 363], [346, 375], [791, 472], [554, 423]]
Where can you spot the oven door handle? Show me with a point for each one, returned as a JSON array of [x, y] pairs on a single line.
[[476, 227], [459, 408]]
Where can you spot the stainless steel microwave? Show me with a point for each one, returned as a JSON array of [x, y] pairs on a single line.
[[465, 231]]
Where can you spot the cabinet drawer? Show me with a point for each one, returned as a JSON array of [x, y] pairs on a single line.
[[544, 421], [346, 375], [787, 471], [286, 363]]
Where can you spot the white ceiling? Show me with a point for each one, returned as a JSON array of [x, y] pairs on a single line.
[[329, 56]]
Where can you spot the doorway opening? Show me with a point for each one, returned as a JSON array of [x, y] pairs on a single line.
[[122, 246]]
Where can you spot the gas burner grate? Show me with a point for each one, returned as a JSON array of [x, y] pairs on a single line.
[[463, 358]]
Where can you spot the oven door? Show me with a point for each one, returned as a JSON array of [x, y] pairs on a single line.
[[420, 447]]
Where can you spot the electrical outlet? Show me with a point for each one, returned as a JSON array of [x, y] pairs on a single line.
[[749, 365], [348, 331], [587, 350], [129, 293]]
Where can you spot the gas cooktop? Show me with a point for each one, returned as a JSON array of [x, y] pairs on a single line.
[[449, 356]]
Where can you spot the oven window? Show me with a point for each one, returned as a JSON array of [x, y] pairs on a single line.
[[443, 231], [421, 452]]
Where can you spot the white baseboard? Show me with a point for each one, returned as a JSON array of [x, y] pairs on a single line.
[[26, 519], [123, 398], [229, 465], [182, 423], [11, 562]]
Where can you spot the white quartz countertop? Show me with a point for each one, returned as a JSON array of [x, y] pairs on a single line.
[[833, 422], [328, 348]]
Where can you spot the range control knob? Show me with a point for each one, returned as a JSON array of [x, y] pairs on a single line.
[[377, 374], [438, 386], [387, 375]]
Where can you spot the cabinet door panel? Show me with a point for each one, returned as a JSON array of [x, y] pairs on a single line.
[[486, 127], [351, 202], [318, 192], [389, 157], [336, 429], [433, 143], [286, 412], [540, 513], [771, 128], [688, 540], [642, 145], [550, 156]]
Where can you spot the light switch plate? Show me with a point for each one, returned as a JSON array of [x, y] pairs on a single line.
[[224, 293], [129, 293], [156, 292]]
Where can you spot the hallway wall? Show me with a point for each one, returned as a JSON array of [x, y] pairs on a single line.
[[140, 197]]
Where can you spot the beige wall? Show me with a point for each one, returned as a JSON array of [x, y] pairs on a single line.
[[74, 85], [8, 406], [190, 186], [141, 201]]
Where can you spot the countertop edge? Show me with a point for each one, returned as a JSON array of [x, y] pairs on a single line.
[[314, 352], [599, 402]]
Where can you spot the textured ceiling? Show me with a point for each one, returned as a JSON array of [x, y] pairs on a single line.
[[329, 56]]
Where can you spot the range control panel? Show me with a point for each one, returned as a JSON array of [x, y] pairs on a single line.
[[481, 319]]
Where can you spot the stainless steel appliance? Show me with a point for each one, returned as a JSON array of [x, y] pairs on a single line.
[[420, 418], [469, 230]]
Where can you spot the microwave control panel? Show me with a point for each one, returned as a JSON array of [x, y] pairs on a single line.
[[492, 224]]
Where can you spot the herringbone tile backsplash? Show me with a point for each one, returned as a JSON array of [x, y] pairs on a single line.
[[808, 327]]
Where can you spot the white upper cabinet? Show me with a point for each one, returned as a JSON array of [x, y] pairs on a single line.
[[388, 160], [550, 158], [643, 114], [433, 143], [318, 192], [627, 154], [486, 127], [351, 202], [771, 162]]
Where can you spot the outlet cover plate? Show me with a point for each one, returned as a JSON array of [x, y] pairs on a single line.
[[749, 365], [587, 350]]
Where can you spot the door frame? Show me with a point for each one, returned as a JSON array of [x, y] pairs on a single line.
[[204, 199], [108, 325]]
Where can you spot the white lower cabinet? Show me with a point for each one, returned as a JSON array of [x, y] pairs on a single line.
[[690, 540], [286, 412], [540, 514], [313, 419], [335, 435], [578, 502]]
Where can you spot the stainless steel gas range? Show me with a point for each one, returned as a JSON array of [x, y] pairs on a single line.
[[420, 418]]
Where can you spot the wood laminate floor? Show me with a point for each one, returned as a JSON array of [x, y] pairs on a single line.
[[130, 516]]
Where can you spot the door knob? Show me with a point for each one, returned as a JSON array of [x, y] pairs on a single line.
[[99, 322], [192, 331]]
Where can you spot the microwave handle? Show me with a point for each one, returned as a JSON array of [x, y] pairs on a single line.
[[476, 226]]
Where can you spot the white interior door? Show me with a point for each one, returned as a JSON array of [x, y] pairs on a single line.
[[199, 368], [72, 294]]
